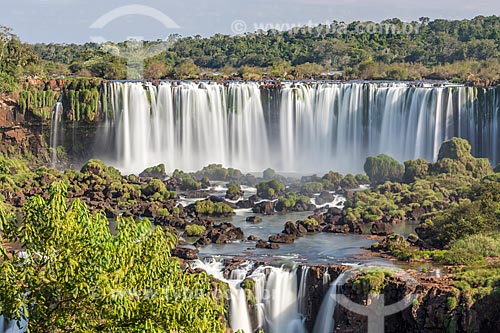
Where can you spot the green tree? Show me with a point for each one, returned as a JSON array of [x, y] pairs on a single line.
[[78, 276], [382, 167]]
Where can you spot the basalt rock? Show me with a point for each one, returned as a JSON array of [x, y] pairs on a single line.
[[324, 198], [294, 229], [337, 229], [185, 253], [254, 219], [381, 229], [245, 204], [170, 221], [282, 239], [264, 207], [267, 245], [223, 233]]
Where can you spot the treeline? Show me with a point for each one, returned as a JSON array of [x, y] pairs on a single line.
[[460, 50], [457, 50]]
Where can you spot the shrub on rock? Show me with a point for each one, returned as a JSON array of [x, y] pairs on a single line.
[[208, 207], [455, 149], [349, 181], [186, 181], [331, 180], [270, 189], [194, 230], [155, 172], [311, 188], [382, 168], [233, 192], [414, 169]]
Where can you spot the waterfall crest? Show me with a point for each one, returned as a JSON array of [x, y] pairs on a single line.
[[295, 127]]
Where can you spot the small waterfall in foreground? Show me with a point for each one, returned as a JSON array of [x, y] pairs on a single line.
[[276, 297], [325, 322], [291, 127], [55, 129]]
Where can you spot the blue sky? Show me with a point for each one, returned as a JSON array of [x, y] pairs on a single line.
[[70, 20]]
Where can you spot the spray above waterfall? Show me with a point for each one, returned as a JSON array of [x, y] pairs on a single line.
[[298, 127]]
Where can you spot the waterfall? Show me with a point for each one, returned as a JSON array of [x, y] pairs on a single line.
[[325, 322], [302, 296], [55, 127], [295, 127], [239, 317], [276, 295]]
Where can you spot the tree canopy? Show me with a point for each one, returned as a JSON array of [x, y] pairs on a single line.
[[78, 276]]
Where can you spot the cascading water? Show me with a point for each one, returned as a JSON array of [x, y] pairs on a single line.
[[297, 128], [302, 296], [325, 322], [186, 126], [276, 295], [55, 129]]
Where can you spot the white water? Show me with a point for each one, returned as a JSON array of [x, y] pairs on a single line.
[[310, 128], [325, 323], [55, 124], [276, 298], [302, 296]]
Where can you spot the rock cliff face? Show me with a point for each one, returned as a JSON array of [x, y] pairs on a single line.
[[20, 135], [437, 306], [25, 135]]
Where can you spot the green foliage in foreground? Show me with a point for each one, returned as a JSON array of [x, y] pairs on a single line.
[[77, 276]]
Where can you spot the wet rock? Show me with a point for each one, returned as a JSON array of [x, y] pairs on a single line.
[[223, 233], [266, 245], [253, 238], [195, 194], [264, 207], [337, 229], [381, 229], [335, 211], [185, 253], [294, 229], [170, 221], [150, 210], [282, 239], [244, 204], [324, 198], [254, 219], [205, 221], [310, 228]]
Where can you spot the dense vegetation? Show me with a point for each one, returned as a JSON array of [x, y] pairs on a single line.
[[459, 50], [441, 49], [78, 276]]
